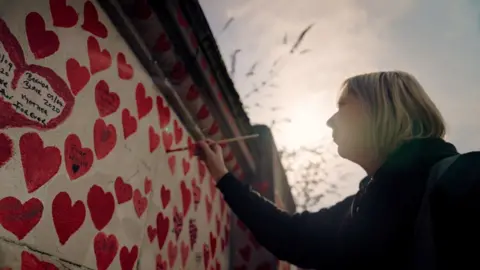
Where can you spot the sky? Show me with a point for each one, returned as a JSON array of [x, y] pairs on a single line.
[[438, 41]]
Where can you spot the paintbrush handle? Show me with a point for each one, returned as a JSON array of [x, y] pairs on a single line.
[[235, 139]]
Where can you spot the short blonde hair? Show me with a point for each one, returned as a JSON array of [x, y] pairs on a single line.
[[399, 108]]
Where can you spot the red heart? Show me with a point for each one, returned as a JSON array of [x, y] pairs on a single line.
[[140, 203], [147, 185], [171, 163], [107, 102], [142, 9], [105, 249], [129, 123], [178, 131], [165, 196], [144, 103], [63, 15], [152, 232], [208, 207], [191, 147], [125, 71], [101, 205], [186, 166], [184, 252], [172, 253], [222, 205], [178, 73], [124, 191], [213, 245], [181, 19], [77, 75], [39, 163], [203, 112], [99, 59], [202, 170], [104, 138], [163, 225], [154, 139], [67, 218], [91, 22], [167, 140], [193, 40], [245, 253], [177, 222], [160, 263], [206, 255], [193, 232], [19, 218], [162, 44], [42, 42], [192, 93], [218, 224], [213, 189], [197, 195], [6, 149], [229, 157], [30, 262], [213, 129], [128, 258], [78, 160], [186, 197], [164, 113]]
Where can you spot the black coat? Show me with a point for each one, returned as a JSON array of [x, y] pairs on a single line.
[[373, 229]]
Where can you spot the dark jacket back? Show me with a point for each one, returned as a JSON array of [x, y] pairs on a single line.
[[375, 227]]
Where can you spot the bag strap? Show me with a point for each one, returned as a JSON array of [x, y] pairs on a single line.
[[424, 244]]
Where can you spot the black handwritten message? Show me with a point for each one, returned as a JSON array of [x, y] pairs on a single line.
[[33, 97], [78, 157]]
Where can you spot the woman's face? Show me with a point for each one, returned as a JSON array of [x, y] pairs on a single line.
[[350, 129]]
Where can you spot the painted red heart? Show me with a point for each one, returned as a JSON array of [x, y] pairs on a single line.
[[202, 170], [181, 19], [185, 166], [125, 70], [39, 163], [129, 123], [128, 258], [31, 262], [91, 21], [213, 245], [208, 208], [172, 164], [192, 93], [104, 138], [203, 113], [164, 113], [123, 191], [191, 147], [165, 196], [101, 205], [172, 253], [186, 197], [197, 193], [213, 129], [140, 203], [218, 224], [6, 149], [42, 42], [177, 222], [193, 232], [62, 14], [206, 256], [107, 102], [105, 249], [229, 157], [67, 218], [153, 138], [78, 160], [178, 131], [178, 73], [162, 44], [78, 76], [19, 218], [222, 205], [147, 185], [167, 139], [184, 252], [193, 40], [223, 244], [213, 189], [163, 227], [151, 232], [142, 9], [144, 103], [99, 59], [245, 252], [160, 263]]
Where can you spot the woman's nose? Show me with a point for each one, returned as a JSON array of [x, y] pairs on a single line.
[[330, 121]]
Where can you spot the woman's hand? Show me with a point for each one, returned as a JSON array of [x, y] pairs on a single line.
[[211, 153]]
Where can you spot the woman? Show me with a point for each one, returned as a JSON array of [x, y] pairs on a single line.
[[388, 125]]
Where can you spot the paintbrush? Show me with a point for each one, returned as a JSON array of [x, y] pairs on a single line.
[[235, 139]]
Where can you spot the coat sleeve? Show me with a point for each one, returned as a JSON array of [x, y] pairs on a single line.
[[456, 216], [306, 239]]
